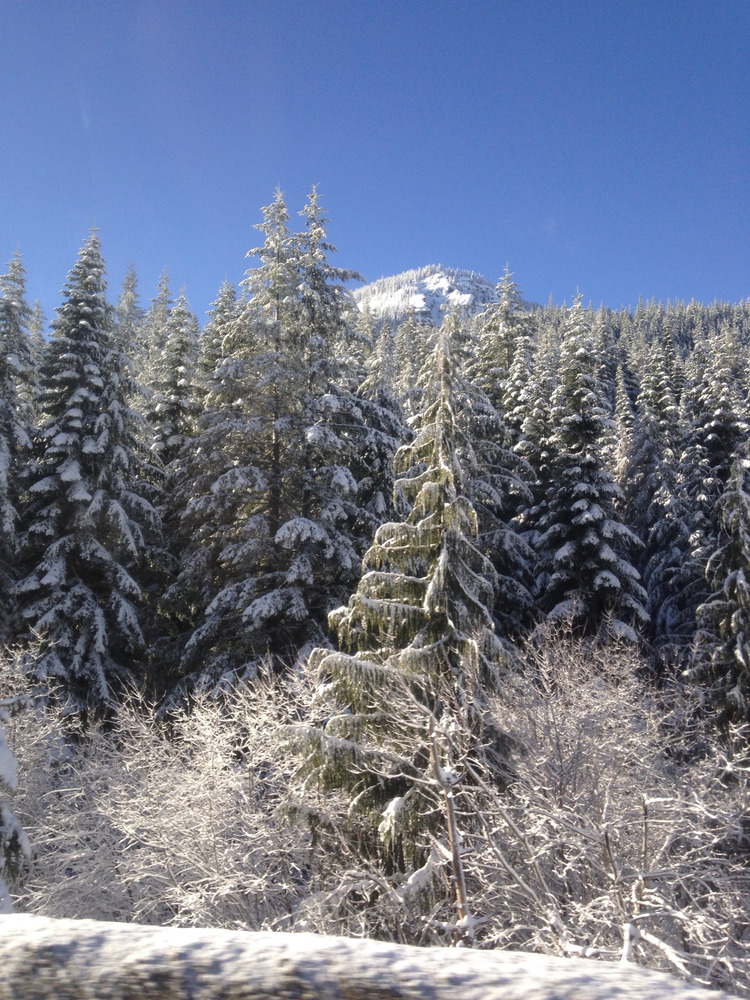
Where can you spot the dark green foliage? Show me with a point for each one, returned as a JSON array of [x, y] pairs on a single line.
[[89, 527], [585, 573], [17, 382], [416, 641], [723, 642], [287, 479]]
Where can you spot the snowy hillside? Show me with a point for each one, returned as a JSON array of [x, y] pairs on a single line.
[[428, 292]]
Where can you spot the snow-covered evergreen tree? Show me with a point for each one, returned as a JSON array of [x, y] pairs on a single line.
[[172, 407], [723, 650], [37, 328], [504, 329], [17, 378], [536, 442], [89, 527], [153, 331], [515, 395], [585, 570], [417, 648], [224, 316], [648, 466], [685, 537], [130, 317], [285, 494], [409, 351], [496, 480]]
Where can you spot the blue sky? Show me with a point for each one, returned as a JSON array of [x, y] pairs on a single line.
[[593, 144]]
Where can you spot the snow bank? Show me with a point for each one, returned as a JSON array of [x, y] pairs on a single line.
[[66, 959]]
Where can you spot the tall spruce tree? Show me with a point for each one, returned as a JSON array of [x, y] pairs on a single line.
[[504, 329], [37, 327], [152, 332], [285, 493], [496, 481], [585, 569], [129, 317], [417, 648], [687, 533], [17, 378], [722, 658], [224, 316], [89, 526], [172, 407]]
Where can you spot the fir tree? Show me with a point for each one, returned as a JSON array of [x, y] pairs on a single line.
[[37, 327], [515, 395], [89, 526], [686, 535], [723, 650], [129, 317], [16, 382], [648, 467], [409, 349], [417, 647], [153, 333], [224, 316], [585, 572], [496, 481], [286, 492], [504, 330], [536, 443], [172, 407]]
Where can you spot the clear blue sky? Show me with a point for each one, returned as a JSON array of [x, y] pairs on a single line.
[[598, 144]]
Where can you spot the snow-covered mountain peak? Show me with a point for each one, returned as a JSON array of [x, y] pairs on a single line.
[[427, 293]]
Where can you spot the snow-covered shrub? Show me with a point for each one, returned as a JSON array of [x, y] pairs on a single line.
[[622, 830], [625, 831], [165, 823]]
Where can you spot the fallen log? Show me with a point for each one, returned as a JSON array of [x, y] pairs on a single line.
[[42, 959]]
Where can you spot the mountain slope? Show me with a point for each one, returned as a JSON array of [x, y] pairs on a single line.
[[427, 292]]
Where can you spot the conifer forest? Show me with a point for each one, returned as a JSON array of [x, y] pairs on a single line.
[[431, 632]]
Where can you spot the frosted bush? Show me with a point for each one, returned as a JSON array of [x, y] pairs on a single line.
[[620, 829], [170, 823]]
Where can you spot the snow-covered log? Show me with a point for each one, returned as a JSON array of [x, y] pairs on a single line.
[[73, 959]]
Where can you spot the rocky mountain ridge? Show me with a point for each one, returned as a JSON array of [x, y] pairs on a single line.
[[426, 293]]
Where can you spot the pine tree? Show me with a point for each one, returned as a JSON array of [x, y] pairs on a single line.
[[624, 423], [89, 526], [687, 533], [172, 407], [496, 481], [378, 397], [37, 327], [585, 570], [129, 317], [224, 316], [649, 465], [17, 379], [515, 395], [409, 349], [723, 649], [417, 648], [285, 493], [536, 443], [153, 332], [504, 330]]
